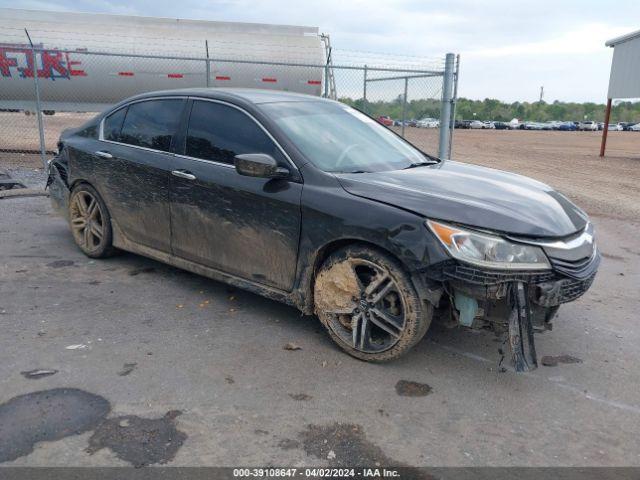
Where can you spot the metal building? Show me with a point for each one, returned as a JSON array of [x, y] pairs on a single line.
[[624, 81]]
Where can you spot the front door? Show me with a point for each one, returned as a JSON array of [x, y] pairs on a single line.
[[248, 227]]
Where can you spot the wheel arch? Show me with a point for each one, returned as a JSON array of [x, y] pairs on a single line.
[[80, 181]]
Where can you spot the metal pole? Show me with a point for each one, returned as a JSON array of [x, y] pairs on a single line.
[[365, 89], [43, 150], [455, 104], [445, 111], [605, 128], [326, 81], [404, 104], [208, 65]]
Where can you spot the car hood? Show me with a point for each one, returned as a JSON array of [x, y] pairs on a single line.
[[476, 196]]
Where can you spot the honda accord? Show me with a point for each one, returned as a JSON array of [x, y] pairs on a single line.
[[313, 203]]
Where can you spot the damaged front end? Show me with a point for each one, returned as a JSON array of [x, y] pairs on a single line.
[[58, 185], [519, 300]]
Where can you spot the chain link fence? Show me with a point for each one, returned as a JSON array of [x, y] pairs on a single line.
[[46, 90]]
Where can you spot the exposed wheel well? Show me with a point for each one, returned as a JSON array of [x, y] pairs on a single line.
[[328, 249]]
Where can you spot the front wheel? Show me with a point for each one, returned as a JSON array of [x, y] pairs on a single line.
[[369, 305]]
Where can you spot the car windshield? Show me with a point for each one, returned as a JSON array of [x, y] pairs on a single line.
[[338, 138]]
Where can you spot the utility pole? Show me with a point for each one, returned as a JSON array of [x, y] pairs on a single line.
[[541, 93]]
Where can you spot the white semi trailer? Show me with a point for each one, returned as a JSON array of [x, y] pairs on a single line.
[[75, 72]]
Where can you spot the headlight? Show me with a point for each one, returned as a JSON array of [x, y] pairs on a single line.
[[488, 250]]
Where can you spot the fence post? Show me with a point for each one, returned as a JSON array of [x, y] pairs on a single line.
[[43, 150], [207, 64], [404, 104], [364, 96], [455, 103], [445, 111]]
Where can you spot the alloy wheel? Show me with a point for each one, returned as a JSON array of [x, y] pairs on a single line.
[[373, 319], [87, 221]]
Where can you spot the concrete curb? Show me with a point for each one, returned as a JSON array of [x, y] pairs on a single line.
[[23, 192]]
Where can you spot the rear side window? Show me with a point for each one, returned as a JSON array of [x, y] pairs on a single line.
[[113, 125], [218, 132], [151, 124]]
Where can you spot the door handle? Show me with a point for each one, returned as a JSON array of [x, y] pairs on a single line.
[[103, 154], [183, 174]]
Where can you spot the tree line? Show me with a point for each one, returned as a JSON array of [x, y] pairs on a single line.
[[492, 109]]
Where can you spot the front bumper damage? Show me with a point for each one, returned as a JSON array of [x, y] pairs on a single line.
[[513, 304], [58, 185]]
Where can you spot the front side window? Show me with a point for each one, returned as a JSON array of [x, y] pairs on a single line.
[[113, 125], [151, 123], [218, 132]]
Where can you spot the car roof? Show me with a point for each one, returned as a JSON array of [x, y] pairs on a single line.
[[247, 95]]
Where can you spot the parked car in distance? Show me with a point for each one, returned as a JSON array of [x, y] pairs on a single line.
[[477, 124], [625, 125], [462, 124], [635, 128], [428, 123], [567, 126], [588, 125], [385, 120], [533, 126], [353, 224], [615, 127], [501, 125]]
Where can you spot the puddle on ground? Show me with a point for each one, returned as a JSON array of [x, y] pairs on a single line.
[[47, 415], [343, 445], [406, 388], [139, 441]]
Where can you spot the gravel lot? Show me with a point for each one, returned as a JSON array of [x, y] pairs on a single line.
[[149, 346]]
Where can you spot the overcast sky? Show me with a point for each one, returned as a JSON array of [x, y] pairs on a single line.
[[508, 48]]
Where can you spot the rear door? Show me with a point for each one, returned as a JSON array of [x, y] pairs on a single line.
[[136, 150], [248, 227]]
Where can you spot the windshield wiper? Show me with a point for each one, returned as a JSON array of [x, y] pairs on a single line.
[[421, 164]]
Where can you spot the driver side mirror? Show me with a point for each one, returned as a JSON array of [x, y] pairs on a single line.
[[259, 165]]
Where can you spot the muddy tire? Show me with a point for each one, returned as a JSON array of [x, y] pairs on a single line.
[[90, 222], [368, 304]]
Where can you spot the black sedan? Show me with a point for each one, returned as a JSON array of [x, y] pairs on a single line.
[[310, 202]]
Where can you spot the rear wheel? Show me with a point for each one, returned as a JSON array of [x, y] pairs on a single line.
[[90, 222], [369, 305]]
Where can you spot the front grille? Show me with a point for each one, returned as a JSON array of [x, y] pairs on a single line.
[[579, 269], [573, 289], [566, 290], [478, 276]]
